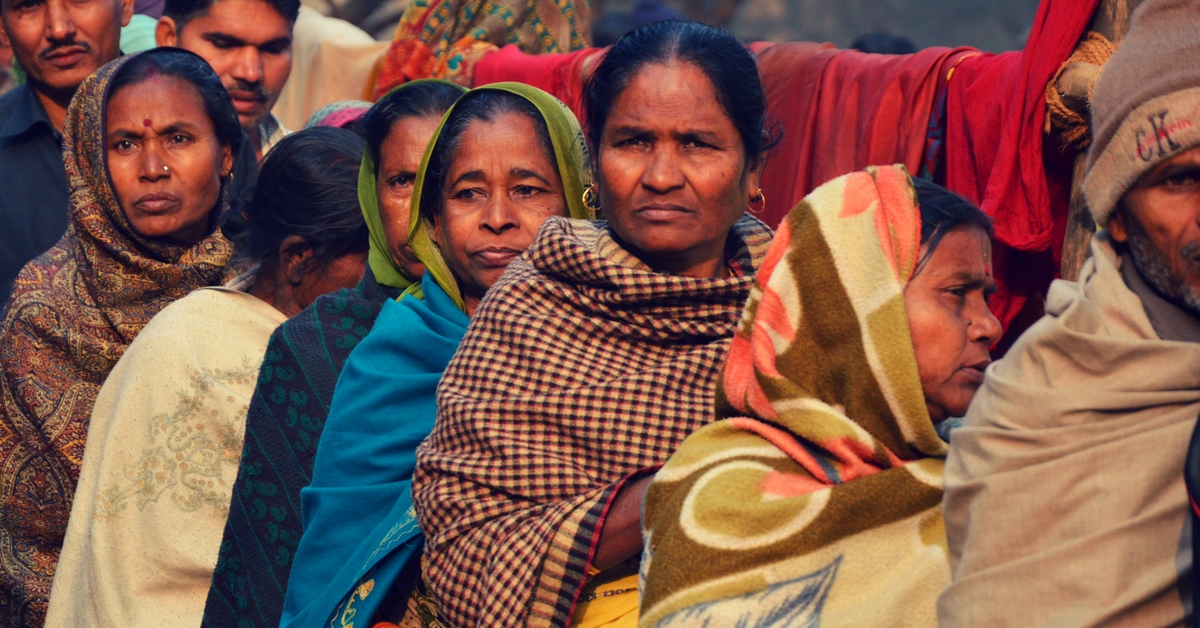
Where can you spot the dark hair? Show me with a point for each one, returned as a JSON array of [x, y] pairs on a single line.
[[943, 211], [190, 67], [722, 58], [883, 42], [421, 100], [183, 11], [480, 105], [307, 186]]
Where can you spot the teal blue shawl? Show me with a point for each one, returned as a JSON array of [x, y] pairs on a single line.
[[358, 521]]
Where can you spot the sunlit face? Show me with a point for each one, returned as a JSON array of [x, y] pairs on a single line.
[[498, 190], [164, 158], [248, 43], [1160, 221], [949, 320], [60, 42], [672, 171], [399, 158]]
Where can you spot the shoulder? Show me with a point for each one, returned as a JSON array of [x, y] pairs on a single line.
[[8, 103], [212, 314]]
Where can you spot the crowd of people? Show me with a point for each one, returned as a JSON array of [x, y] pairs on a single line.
[[539, 352]]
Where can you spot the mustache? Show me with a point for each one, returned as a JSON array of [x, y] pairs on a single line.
[[258, 89], [1190, 252], [56, 45]]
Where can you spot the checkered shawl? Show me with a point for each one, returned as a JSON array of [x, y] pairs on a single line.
[[581, 368]]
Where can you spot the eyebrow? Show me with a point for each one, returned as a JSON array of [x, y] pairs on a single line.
[[523, 173], [172, 128]]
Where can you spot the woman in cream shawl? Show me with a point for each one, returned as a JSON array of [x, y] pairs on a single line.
[[166, 433]]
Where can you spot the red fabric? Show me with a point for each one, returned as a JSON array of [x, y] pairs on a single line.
[[558, 74]]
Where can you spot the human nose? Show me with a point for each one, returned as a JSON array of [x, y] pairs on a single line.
[[662, 174], [154, 166], [500, 215], [984, 327], [60, 26], [248, 65]]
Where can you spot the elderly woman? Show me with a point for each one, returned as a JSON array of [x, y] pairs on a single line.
[[506, 158], [303, 360], [148, 179], [599, 350], [166, 432], [817, 499]]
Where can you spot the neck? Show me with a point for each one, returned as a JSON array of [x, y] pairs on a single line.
[[55, 103], [255, 137], [701, 264], [274, 290]]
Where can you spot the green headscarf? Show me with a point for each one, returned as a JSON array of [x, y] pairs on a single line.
[[379, 257], [571, 157]]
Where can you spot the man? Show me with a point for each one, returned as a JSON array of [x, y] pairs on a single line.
[[58, 43], [1065, 503], [249, 44]]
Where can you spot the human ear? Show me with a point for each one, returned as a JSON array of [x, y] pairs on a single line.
[[4, 41], [1116, 225], [294, 254], [126, 12], [165, 33]]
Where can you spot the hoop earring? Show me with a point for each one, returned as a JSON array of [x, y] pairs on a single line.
[[760, 198], [590, 199]]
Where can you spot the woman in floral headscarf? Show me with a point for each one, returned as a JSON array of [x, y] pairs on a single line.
[[148, 179]]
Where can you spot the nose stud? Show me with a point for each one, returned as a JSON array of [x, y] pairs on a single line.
[[166, 168]]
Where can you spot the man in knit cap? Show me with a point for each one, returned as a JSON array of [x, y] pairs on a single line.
[[1065, 503]]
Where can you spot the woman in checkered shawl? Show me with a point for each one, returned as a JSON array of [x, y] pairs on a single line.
[[599, 350]]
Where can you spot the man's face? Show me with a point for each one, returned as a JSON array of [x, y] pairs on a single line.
[[1159, 218], [248, 43], [60, 42]]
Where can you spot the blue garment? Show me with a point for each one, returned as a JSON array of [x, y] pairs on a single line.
[[33, 195], [358, 519]]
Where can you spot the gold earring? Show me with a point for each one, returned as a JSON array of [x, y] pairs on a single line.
[[590, 198], [758, 197]]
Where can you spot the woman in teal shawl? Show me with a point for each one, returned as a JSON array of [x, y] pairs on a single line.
[[505, 158], [304, 357]]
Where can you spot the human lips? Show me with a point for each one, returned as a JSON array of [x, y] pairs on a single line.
[[156, 203], [65, 56], [246, 102], [661, 212], [496, 256], [975, 372]]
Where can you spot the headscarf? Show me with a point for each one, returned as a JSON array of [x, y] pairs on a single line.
[[73, 312], [817, 498], [571, 159], [340, 114], [360, 530], [286, 420]]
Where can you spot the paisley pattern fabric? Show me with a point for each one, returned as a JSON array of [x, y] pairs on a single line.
[[287, 414], [73, 312], [817, 499], [446, 38]]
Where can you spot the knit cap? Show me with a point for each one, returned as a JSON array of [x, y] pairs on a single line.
[[1146, 104]]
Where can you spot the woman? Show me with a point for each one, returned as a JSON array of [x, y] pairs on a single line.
[[599, 350], [303, 360], [505, 159], [818, 498], [166, 433], [142, 233]]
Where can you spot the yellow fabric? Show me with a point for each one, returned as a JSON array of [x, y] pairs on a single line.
[[613, 611]]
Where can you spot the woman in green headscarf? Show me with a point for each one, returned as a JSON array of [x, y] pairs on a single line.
[[505, 158], [304, 357]]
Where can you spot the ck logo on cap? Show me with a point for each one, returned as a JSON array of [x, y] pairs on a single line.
[[1160, 136]]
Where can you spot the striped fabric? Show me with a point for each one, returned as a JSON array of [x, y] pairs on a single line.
[[577, 372], [816, 501]]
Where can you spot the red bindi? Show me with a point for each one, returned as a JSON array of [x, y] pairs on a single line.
[[146, 122]]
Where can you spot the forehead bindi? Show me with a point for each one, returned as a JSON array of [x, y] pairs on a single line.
[[156, 104]]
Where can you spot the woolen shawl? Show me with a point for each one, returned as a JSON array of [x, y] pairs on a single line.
[[73, 312], [581, 367], [287, 416], [817, 499], [360, 530], [1065, 501]]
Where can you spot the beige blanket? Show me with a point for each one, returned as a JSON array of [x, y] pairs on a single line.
[[163, 449], [1065, 503]]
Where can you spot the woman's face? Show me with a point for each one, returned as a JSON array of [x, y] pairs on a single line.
[[672, 171], [399, 158], [499, 189], [950, 322], [164, 158]]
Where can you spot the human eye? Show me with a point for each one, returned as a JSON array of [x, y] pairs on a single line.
[[124, 147], [402, 180], [468, 194], [275, 48], [180, 139], [1183, 178], [527, 190]]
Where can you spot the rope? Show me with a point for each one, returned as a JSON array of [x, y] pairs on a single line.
[[1073, 129]]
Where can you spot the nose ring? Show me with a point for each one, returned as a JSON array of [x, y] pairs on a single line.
[[166, 168]]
